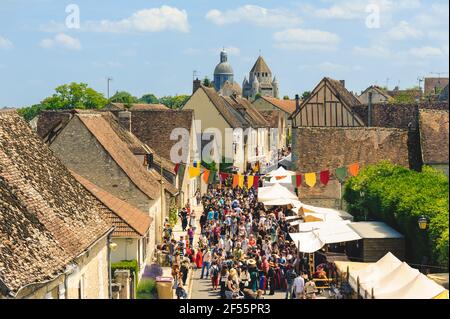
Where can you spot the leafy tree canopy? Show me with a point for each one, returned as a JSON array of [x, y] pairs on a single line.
[[123, 97], [149, 99], [286, 97], [306, 95]]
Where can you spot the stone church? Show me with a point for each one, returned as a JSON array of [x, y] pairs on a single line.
[[260, 81]]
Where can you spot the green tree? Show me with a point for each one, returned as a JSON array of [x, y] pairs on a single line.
[[123, 97], [67, 96], [207, 82], [406, 97], [399, 196], [306, 95], [149, 99], [174, 102], [286, 97]]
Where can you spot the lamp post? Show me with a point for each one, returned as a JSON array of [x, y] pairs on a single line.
[[423, 223]]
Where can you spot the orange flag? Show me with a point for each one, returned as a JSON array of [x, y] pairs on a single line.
[[206, 176], [353, 169], [279, 177], [235, 181]]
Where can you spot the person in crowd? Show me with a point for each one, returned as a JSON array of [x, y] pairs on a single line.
[[299, 286], [290, 277], [206, 262]]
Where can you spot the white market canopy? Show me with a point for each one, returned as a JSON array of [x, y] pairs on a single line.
[[315, 235], [281, 172], [389, 278], [282, 202], [328, 214], [275, 192]]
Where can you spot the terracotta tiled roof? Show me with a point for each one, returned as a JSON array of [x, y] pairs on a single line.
[[272, 117], [229, 114], [47, 218], [249, 116], [119, 151], [153, 127], [434, 134], [287, 106], [127, 219]]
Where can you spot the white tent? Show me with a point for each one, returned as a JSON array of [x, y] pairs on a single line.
[[280, 172], [313, 236], [282, 202], [389, 278], [307, 242], [275, 192], [372, 273], [328, 214]]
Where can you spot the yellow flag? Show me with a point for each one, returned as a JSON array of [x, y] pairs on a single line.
[[241, 181], [310, 179], [250, 180], [194, 171]]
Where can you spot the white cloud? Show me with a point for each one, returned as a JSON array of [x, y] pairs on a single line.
[[147, 20], [356, 9], [404, 31], [5, 44], [306, 39], [426, 52], [377, 51], [61, 40], [255, 15]]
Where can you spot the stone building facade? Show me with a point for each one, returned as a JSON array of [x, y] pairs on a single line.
[[327, 148], [260, 81]]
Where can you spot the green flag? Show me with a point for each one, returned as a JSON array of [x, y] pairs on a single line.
[[181, 170], [211, 177], [341, 174]]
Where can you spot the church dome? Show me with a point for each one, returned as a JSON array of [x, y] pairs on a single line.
[[223, 68]]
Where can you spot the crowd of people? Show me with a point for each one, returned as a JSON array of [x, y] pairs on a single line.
[[244, 249]]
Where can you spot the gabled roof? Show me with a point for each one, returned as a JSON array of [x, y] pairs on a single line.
[[118, 150], [287, 106], [434, 135], [378, 90], [127, 219], [230, 116], [260, 66], [153, 127], [47, 218], [134, 106], [346, 97], [247, 111], [272, 117]]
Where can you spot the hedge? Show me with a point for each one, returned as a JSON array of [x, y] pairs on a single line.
[[399, 197], [146, 289], [131, 265]]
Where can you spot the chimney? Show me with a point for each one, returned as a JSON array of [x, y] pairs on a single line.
[[197, 84], [125, 120], [297, 102], [342, 82]]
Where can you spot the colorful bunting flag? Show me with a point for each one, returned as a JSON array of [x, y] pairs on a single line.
[[206, 176], [279, 177], [353, 169], [255, 182], [310, 179], [181, 170], [195, 164], [224, 176], [235, 180], [297, 180], [212, 177], [250, 181], [324, 177], [341, 174], [177, 166], [194, 172], [241, 181]]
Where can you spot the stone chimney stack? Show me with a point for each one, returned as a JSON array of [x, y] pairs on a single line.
[[342, 82], [297, 102], [125, 120], [196, 86]]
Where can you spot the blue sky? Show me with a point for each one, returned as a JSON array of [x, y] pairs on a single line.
[[154, 46]]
